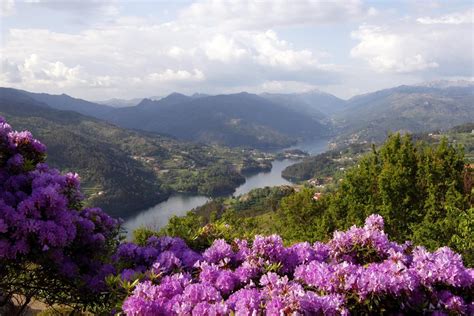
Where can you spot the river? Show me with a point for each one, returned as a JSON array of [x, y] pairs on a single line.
[[179, 204]]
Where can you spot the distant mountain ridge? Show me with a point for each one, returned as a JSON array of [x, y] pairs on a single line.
[[68, 103], [447, 83], [272, 120], [240, 119], [407, 109]]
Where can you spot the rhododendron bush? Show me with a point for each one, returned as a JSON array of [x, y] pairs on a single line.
[[50, 246], [54, 249], [357, 272]]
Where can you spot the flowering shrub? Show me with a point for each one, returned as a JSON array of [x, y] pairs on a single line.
[[50, 246], [359, 271]]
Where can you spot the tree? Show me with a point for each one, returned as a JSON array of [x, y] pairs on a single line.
[[418, 189]]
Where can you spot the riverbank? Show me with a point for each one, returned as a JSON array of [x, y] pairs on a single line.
[[179, 204]]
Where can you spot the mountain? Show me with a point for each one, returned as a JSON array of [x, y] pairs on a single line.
[[317, 104], [126, 171], [76, 142], [170, 100], [123, 103], [120, 103], [241, 119], [407, 109], [68, 103]]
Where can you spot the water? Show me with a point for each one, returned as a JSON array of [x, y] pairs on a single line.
[[157, 216], [265, 179], [179, 204], [312, 147]]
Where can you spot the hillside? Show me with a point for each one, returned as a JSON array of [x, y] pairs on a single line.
[[68, 103], [316, 104], [125, 171], [407, 109], [236, 120]]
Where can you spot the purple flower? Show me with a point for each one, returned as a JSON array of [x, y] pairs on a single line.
[[218, 251], [245, 302]]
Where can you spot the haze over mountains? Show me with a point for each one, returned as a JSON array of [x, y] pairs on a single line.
[[277, 120]]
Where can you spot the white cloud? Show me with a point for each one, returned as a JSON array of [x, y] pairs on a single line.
[[92, 50], [10, 72], [456, 18], [285, 87], [390, 52], [177, 75], [223, 49], [173, 54], [271, 51], [255, 14], [176, 52], [411, 46], [37, 71], [7, 8]]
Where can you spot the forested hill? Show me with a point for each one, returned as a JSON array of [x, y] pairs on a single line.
[[111, 178], [407, 109], [125, 171], [237, 120]]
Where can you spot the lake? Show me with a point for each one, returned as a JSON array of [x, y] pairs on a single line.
[[179, 204]]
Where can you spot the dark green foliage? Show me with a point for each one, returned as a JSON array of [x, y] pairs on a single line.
[[324, 165], [301, 218], [418, 189], [219, 179]]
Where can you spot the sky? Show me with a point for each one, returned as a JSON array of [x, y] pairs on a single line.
[[102, 49]]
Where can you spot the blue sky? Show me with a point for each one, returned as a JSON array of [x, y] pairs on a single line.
[[104, 49]]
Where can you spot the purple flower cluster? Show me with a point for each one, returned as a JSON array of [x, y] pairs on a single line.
[[41, 219], [161, 255], [334, 278]]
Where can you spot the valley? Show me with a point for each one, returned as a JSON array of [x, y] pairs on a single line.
[[139, 153], [179, 204]]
